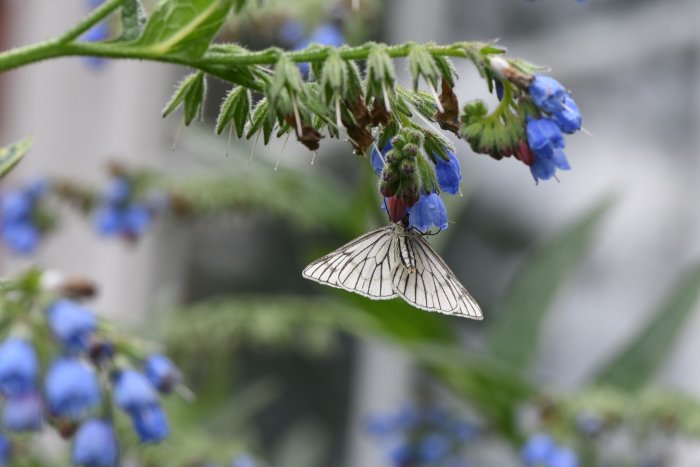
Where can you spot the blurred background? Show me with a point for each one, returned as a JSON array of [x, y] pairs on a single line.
[[579, 267]]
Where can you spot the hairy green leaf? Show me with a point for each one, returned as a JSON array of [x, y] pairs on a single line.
[[194, 98], [422, 63], [184, 27], [133, 20], [638, 362], [185, 86], [518, 318], [234, 110], [12, 154]]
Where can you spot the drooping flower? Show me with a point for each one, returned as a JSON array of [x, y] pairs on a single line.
[[547, 143], [162, 373], [19, 229], [71, 324], [72, 389], [119, 214], [150, 423], [548, 94], [378, 160], [537, 450], [133, 391], [19, 367], [95, 444], [23, 413], [428, 212], [563, 457], [569, 118], [449, 174]]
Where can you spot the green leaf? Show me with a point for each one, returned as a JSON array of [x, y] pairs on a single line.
[[421, 63], [189, 92], [185, 86], [133, 20], [234, 110], [638, 362], [184, 27], [517, 321], [12, 154]]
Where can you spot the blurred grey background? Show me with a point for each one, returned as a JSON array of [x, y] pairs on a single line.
[[633, 67]]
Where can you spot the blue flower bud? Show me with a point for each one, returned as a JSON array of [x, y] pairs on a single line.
[[569, 117], [19, 367], [107, 220], [71, 388], [537, 450], [547, 94], [95, 444], [23, 413], [133, 392], [428, 212], [448, 174], [162, 373], [16, 206], [150, 423], [71, 324]]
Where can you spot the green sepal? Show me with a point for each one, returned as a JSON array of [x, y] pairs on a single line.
[[234, 110], [380, 72], [334, 76], [11, 155], [258, 117], [187, 85], [496, 134], [183, 28], [286, 77], [447, 69], [133, 20], [435, 144], [194, 98], [422, 63], [426, 174]]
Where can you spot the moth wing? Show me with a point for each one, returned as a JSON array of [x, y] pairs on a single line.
[[432, 286], [361, 266]]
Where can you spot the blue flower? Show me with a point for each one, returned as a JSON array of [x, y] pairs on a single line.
[[133, 391], [428, 212], [19, 367], [563, 457], [5, 450], [95, 444], [119, 214], [136, 219], [538, 449], [23, 413], [449, 173], [546, 141], [16, 206], [162, 373], [71, 388], [150, 423], [118, 191], [244, 461], [17, 211], [548, 94], [71, 324], [291, 32], [22, 238], [434, 447], [569, 117], [377, 160]]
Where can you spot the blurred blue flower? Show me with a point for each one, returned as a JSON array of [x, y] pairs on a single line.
[[449, 174], [546, 141], [71, 324], [19, 367], [95, 444], [428, 212], [162, 373], [291, 33], [563, 457], [118, 191], [538, 449], [244, 460], [5, 450], [23, 413], [119, 214], [18, 213], [150, 423], [71, 388], [377, 160], [324, 34], [133, 391], [434, 448]]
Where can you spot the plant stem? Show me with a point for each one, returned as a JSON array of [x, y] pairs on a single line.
[[95, 16]]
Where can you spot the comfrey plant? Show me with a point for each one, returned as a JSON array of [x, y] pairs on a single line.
[[75, 380]]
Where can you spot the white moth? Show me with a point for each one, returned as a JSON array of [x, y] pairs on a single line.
[[395, 262]]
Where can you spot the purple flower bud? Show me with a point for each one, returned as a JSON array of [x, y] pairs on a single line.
[[448, 174], [19, 367], [71, 388], [23, 413], [162, 373], [96, 444], [150, 423], [71, 324], [428, 212], [133, 392]]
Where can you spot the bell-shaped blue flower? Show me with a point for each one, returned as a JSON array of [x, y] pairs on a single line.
[[136, 219], [569, 118], [547, 93], [378, 160], [16, 206], [546, 141], [96, 444], [537, 450], [133, 391], [71, 388], [428, 212], [162, 373], [449, 174], [23, 413], [21, 238], [19, 367], [150, 423], [71, 324]]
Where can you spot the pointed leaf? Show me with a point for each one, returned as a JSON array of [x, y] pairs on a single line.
[[234, 110], [517, 321], [637, 363], [12, 154], [184, 27], [194, 98], [183, 88]]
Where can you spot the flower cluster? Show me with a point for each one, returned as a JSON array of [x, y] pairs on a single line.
[[559, 114], [419, 436], [119, 213], [403, 167], [83, 370], [540, 450], [20, 217]]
